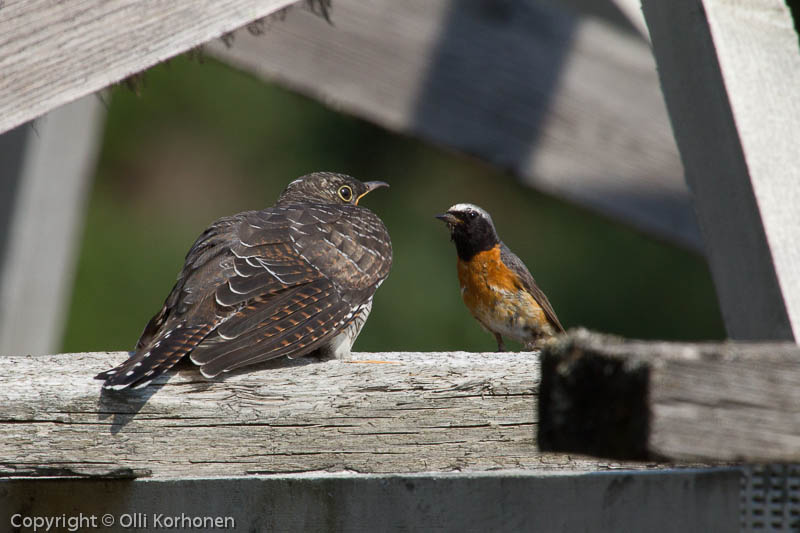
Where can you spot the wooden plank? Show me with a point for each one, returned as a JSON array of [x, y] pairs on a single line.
[[571, 104], [609, 397], [52, 53], [513, 501], [730, 72], [438, 412], [51, 163], [623, 14], [12, 155], [632, 9]]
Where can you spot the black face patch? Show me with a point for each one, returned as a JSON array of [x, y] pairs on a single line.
[[473, 235]]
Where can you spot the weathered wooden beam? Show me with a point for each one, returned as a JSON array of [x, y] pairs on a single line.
[[499, 501], [610, 397], [632, 9], [424, 440], [12, 155], [52, 53], [570, 103], [730, 73], [623, 14], [45, 172], [421, 412]]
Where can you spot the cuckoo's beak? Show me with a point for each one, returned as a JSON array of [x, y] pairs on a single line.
[[371, 186]]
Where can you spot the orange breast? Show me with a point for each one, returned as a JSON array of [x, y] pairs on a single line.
[[496, 298]]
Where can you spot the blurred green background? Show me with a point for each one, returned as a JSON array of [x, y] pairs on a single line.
[[202, 140]]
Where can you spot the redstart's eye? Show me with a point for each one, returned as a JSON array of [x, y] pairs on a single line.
[[345, 193]]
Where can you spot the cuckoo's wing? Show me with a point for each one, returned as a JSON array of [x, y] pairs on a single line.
[[259, 285], [303, 320], [202, 271], [323, 258], [513, 262], [186, 317]]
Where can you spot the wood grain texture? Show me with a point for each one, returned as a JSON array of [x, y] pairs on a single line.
[[431, 412], [730, 72], [611, 397], [52, 53], [569, 103]]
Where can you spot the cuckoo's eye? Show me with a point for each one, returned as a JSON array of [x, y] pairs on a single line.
[[472, 214], [345, 193]]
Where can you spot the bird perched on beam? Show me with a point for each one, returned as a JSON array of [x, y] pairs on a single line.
[[496, 287], [290, 280]]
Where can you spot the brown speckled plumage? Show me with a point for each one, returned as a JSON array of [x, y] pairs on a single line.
[[288, 280]]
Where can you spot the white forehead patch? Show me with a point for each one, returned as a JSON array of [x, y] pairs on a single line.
[[465, 208]]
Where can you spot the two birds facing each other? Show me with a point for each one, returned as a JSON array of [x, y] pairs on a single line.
[[298, 278]]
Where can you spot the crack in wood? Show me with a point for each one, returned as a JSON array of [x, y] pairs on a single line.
[[435, 412]]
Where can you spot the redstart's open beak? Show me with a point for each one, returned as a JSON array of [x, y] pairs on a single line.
[[449, 219]]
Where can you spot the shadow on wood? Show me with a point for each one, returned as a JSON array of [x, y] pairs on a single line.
[[610, 397], [429, 412], [512, 501], [569, 103]]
